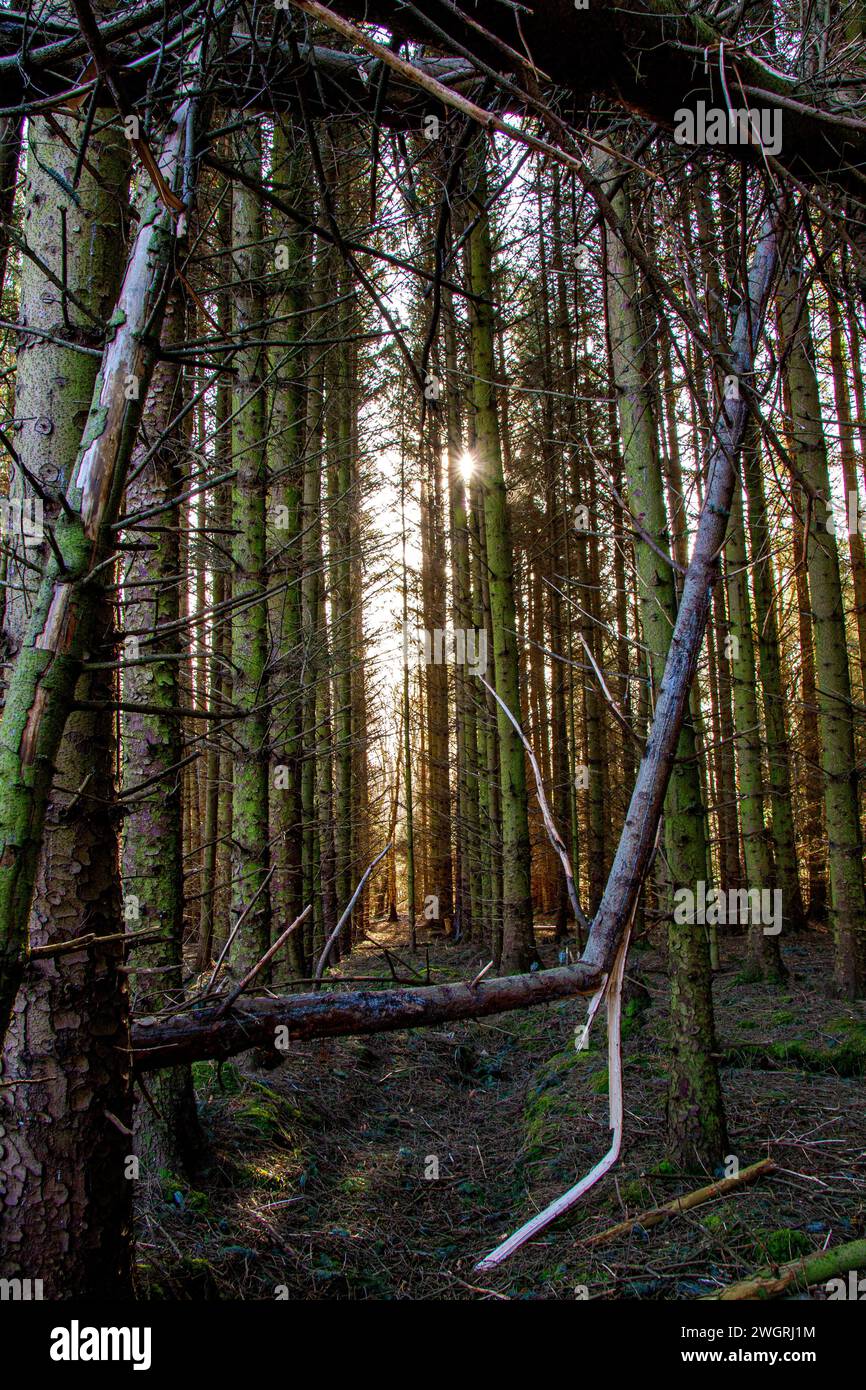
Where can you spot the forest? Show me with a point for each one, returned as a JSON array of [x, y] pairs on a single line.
[[433, 652]]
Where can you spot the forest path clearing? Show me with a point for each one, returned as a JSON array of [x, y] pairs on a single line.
[[323, 1173]]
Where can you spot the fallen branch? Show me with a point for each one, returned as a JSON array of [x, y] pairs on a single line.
[[656, 1215], [799, 1274], [238, 924], [199, 1034], [269, 954], [549, 824], [323, 959], [611, 992]]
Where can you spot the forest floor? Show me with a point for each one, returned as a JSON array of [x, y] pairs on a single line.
[[315, 1181]]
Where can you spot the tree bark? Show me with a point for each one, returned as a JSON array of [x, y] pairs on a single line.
[[250, 747], [835, 715], [59, 1220], [518, 942]]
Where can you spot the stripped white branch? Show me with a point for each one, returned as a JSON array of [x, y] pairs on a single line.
[[612, 993]]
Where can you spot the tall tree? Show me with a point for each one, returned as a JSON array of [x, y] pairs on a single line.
[[249, 628], [167, 1131], [696, 1122], [67, 1201], [833, 680], [518, 943]]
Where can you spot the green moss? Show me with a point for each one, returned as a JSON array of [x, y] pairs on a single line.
[[260, 1115], [856, 1027], [555, 1095], [169, 1184], [355, 1182], [117, 320], [720, 1218], [848, 1059], [631, 1017], [147, 1283], [97, 419], [777, 1247], [537, 1128], [207, 1076], [666, 1168], [600, 1082], [636, 1195]]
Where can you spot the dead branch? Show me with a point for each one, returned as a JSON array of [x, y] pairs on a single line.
[[798, 1274], [656, 1215], [549, 823], [200, 1034], [346, 914], [269, 954]]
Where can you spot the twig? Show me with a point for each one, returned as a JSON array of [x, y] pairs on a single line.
[[264, 960], [481, 974], [118, 1124], [93, 938], [237, 926], [338, 928], [552, 832], [641, 743]]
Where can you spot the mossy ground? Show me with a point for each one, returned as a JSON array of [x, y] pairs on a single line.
[[384, 1167]]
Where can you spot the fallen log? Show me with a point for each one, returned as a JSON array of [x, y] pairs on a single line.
[[201, 1033], [798, 1274], [656, 1215]]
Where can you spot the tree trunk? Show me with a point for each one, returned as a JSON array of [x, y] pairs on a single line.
[[67, 1195], [250, 770], [153, 860], [835, 716], [696, 1122], [765, 962], [518, 941]]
